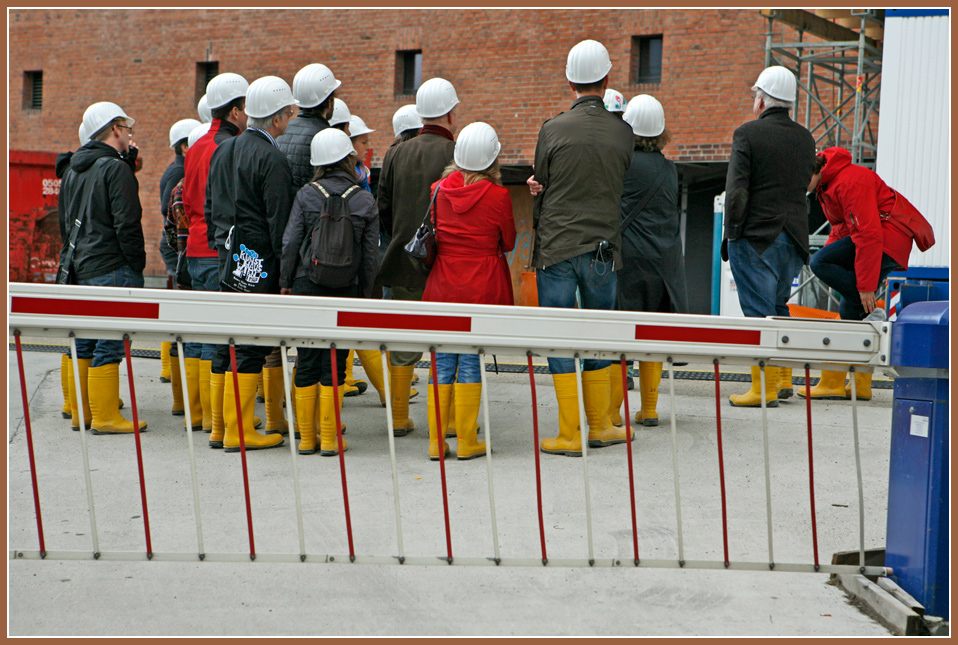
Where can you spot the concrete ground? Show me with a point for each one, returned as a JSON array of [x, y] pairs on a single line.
[[60, 597]]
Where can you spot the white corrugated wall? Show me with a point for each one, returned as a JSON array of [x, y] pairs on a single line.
[[914, 123]]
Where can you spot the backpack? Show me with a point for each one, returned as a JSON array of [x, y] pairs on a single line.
[[331, 254]]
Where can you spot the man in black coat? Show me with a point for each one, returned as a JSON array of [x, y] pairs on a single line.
[[314, 87]]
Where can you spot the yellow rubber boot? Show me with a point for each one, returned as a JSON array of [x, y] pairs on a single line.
[[785, 389], [353, 387], [753, 398], [273, 387], [217, 425], [569, 441], [400, 377], [65, 411], [445, 394], [373, 366], [205, 403], [595, 390], [306, 398], [328, 441], [650, 375], [104, 385], [247, 396], [177, 386], [84, 394], [292, 397], [260, 389], [616, 395], [165, 368], [193, 393], [468, 397], [863, 387], [830, 387]]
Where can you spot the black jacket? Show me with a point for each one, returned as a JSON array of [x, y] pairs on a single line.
[[111, 233], [295, 145], [171, 177], [306, 210], [772, 161]]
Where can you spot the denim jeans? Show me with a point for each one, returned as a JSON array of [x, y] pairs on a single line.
[[447, 365], [835, 266], [106, 352], [557, 286], [764, 280], [205, 273]]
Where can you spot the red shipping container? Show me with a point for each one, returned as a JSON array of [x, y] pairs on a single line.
[[34, 231]]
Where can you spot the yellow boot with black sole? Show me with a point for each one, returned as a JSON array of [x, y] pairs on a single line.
[[104, 387], [569, 441], [247, 396]]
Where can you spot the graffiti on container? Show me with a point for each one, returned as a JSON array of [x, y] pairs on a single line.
[[523, 247], [34, 245]]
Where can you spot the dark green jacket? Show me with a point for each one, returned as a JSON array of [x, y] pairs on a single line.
[[581, 159]]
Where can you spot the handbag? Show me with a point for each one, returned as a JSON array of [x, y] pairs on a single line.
[[183, 278], [422, 247], [905, 215]]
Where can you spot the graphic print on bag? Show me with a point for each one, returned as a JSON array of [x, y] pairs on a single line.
[[331, 253], [249, 265]]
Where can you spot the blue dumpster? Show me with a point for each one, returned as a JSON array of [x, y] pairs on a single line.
[[917, 533]]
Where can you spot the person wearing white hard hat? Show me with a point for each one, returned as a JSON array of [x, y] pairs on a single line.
[[101, 218], [359, 135], [335, 193], [406, 124], [652, 277], [765, 237], [409, 169], [314, 86], [614, 102], [474, 230], [179, 135], [203, 110], [581, 159], [340, 117]]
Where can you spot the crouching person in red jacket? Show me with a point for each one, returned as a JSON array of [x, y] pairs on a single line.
[[474, 229]]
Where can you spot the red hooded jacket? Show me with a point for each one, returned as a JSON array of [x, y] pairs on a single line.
[[474, 228], [854, 198]]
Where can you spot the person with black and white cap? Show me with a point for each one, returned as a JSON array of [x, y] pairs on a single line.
[[614, 102], [314, 86]]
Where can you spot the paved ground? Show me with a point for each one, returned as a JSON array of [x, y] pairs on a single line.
[[210, 598]]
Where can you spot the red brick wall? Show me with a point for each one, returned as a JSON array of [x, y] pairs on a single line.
[[507, 66]]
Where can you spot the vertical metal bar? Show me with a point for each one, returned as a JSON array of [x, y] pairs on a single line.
[[858, 471], [440, 441], [675, 465], [535, 438], [485, 421], [342, 457], [242, 440], [33, 463], [584, 440], [392, 449], [180, 349], [811, 470], [83, 447], [628, 450], [768, 479], [857, 125], [136, 437], [284, 350], [721, 460]]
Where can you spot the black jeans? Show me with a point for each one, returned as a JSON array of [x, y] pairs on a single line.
[[315, 365], [835, 266]]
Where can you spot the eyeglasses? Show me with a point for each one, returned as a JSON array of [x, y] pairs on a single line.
[[119, 125]]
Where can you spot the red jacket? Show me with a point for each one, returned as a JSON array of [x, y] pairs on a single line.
[[854, 199], [474, 228], [197, 169]]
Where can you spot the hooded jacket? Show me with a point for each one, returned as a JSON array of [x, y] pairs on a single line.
[[295, 142], [474, 229], [853, 199], [111, 232]]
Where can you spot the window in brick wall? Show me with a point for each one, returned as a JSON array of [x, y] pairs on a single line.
[[646, 59], [33, 90], [408, 71], [205, 72]]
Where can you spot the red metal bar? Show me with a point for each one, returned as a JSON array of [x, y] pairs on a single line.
[[811, 472], [718, 430], [440, 441], [33, 463], [242, 440], [139, 447], [628, 445], [342, 458], [535, 435]]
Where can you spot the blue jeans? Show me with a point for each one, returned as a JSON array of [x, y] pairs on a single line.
[[106, 352], [764, 280], [835, 266], [205, 273], [467, 365], [557, 286]]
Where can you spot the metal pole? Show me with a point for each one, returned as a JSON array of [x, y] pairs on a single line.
[[181, 351], [83, 446], [584, 440], [675, 466], [293, 455], [33, 463], [485, 420], [768, 478], [392, 449]]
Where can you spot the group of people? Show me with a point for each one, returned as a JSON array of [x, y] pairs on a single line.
[[262, 199]]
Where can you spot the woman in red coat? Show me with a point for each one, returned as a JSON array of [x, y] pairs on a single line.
[[474, 230]]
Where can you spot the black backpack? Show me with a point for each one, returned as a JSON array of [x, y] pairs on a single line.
[[331, 253]]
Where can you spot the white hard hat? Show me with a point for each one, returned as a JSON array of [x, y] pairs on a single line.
[[224, 88], [435, 98], [267, 96], [614, 101], [340, 112], [357, 126], [181, 130], [778, 82], [477, 146], [313, 84], [588, 62], [329, 146], [99, 115], [197, 133], [203, 110], [646, 116], [406, 118], [84, 135]]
